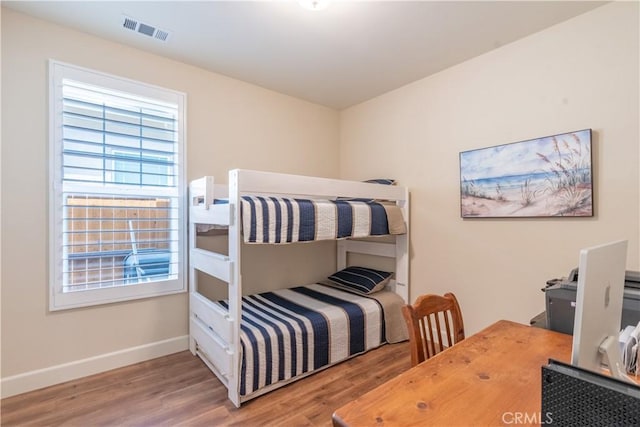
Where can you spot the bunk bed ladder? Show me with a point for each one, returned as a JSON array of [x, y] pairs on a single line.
[[215, 332]]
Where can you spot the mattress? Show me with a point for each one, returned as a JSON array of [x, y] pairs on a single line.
[[283, 220], [291, 332], [277, 220]]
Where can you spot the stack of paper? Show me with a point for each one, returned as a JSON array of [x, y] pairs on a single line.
[[629, 339]]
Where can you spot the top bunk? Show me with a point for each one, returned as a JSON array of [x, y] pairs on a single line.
[[282, 208]]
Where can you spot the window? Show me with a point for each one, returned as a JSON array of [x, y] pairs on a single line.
[[117, 169], [128, 170]]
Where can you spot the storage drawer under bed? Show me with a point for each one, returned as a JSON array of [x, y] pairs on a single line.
[[212, 347]]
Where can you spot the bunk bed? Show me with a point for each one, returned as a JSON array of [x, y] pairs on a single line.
[[257, 343]]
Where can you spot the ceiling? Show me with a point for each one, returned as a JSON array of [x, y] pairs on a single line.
[[348, 53]]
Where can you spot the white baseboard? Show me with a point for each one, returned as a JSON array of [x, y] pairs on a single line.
[[40, 378]]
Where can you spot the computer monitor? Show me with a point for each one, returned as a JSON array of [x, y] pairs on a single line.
[[600, 292]]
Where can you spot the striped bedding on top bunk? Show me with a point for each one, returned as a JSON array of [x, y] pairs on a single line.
[[288, 332], [284, 220]]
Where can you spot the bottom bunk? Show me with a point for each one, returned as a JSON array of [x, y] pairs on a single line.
[[289, 333]]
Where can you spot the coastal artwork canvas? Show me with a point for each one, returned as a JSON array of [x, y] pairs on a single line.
[[543, 177]]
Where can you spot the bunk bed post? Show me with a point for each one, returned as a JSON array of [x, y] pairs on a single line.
[[402, 252], [235, 284], [193, 275], [341, 261]]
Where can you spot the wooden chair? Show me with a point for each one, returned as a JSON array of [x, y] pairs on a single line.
[[424, 320]]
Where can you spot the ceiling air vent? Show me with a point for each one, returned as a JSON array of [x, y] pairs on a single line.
[[129, 23], [145, 29], [162, 35]]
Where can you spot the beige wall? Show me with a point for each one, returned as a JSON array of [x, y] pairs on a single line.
[[231, 124], [580, 74], [583, 73]]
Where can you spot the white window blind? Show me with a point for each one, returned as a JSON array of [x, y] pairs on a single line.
[[117, 169]]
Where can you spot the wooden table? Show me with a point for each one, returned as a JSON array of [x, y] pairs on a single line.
[[490, 378]]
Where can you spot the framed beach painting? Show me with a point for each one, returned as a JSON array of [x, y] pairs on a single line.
[[543, 177]]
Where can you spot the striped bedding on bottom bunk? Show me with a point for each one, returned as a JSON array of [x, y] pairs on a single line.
[[288, 332]]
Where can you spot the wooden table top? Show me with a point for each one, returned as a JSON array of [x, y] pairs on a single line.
[[487, 379]]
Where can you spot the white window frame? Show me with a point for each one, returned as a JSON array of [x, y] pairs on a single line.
[[59, 300]]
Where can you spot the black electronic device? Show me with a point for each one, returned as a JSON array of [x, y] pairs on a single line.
[[572, 396]]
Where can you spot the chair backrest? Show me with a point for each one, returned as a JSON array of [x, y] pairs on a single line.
[[425, 321]]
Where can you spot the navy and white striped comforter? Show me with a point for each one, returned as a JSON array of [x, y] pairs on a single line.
[[288, 332], [283, 220]]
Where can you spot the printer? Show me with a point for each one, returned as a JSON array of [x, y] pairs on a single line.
[[560, 301]]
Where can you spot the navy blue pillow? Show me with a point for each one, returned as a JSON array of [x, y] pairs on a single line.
[[360, 280], [383, 181]]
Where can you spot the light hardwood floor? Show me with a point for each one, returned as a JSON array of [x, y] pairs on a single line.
[[180, 390]]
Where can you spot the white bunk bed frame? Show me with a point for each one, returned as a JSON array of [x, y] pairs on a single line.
[[214, 334]]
